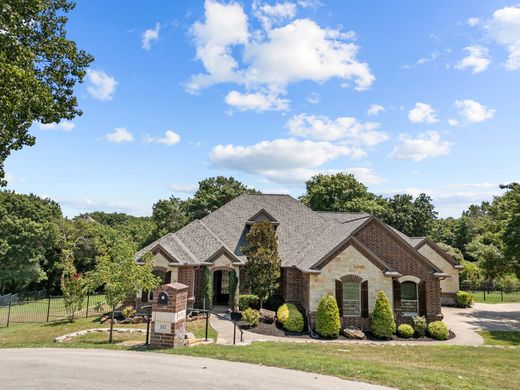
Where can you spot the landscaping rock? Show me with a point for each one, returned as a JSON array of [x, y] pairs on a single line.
[[352, 333], [267, 316]]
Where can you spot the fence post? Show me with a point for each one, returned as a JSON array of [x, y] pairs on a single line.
[[484, 295], [502, 295], [234, 332], [88, 301], [148, 326], [48, 308], [8, 314]]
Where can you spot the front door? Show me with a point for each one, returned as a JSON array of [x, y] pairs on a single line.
[[220, 287]]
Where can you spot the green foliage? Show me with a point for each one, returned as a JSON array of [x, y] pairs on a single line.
[[169, 215], [274, 302], [39, 68], [248, 300], [251, 315], [73, 286], [206, 288], [341, 192], [419, 325], [233, 283], [438, 330], [508, 282], [382, 319], [212, 194], [471, 276], [290, 318], [405, 331], [463, 299], [413, 217], [262, 268], [128, 311], [328, 323]]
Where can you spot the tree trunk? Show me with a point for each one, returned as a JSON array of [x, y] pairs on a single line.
[[111, 324]]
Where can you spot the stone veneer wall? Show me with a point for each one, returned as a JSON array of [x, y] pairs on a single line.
[[402, 259]]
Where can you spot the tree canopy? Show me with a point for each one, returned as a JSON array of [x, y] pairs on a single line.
[[39, 67]]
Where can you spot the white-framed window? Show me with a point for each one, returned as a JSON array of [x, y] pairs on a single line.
[[351, 299], [409, 298]]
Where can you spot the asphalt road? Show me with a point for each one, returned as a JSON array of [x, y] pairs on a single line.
[[59, 369]]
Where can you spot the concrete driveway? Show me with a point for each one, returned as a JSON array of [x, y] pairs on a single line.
[[482, 316], [59, 369]]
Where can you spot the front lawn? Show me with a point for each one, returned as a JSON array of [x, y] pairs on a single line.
[[405, 367], [497, 337]]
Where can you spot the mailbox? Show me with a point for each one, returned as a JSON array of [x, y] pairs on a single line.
[[163, 298]]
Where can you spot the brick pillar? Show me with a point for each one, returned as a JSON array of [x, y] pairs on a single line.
[[169, 315]]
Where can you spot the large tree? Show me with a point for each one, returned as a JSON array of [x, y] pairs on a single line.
[[413, 217], [262, 269], [39, 68], [169, 215], [213, 193], [341, 192]]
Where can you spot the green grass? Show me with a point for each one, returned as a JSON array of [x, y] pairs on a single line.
[[497, 337], [496, 297], [405, 367], [198, 328]]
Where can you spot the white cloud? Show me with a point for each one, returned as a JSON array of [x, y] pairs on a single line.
[[280, 160], [347, 129], [473, 22], [119, 135], [423, 60], [257, 101], [425, 146], [61, 126], [270, 15], [473, 111], [365, 175], [101, 85], [504, 28], [73, 206], [313, 98], [375, 109], [477, 59], [151, 34], [422, 113], [453, 122], [170, 138], [272, 58], [183, 188]]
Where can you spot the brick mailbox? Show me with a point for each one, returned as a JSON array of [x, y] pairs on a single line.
[[169, 315]]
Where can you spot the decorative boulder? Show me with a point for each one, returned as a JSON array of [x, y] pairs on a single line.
[[356, 334], [267, 316]]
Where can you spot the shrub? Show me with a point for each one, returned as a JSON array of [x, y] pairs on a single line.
[[405, 331], [290, 317], [508, 283], [438, 330], [128, 312], [463, 299], [248, 300], [233, 283], [328, 323], [419, 326], [274, 302], [382, 320], [251, 315], [206, 288]]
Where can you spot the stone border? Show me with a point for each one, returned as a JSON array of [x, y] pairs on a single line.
[[68, 336]]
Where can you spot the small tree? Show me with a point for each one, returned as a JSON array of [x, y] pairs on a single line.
[[73, 286], [382, 320], [262, 269], [119, 274], [207, 288], [328, 323], [233, 282]]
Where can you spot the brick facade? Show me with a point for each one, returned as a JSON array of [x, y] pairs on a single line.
[[175, 308]]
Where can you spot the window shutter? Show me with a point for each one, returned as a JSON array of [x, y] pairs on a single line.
[[168, 277], [422, 298], [397, 294], [364, 299], [144, 296], [339, 296]]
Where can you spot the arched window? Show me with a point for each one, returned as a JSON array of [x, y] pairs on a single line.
[[409, 298], [351, 299]]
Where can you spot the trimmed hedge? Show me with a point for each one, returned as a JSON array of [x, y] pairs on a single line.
[[419, 325], [382, 319], [248, 300], [463, 299], [290, 318], [438, 330], [328, 323], [405, 331], [251, 315]]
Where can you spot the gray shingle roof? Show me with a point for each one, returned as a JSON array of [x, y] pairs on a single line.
[[304, 236]]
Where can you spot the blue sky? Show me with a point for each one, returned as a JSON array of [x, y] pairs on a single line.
[[408, 96]]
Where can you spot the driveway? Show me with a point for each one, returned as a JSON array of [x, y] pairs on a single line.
[[59, 369], [482, 316]]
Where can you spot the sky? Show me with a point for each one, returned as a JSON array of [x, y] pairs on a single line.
[[408, 96]]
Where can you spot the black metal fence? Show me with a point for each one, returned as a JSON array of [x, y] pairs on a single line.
[[48, 309], [493, 294]]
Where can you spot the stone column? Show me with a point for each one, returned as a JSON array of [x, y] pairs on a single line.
[[168, 325]]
